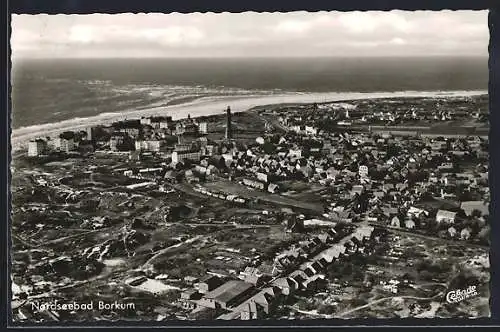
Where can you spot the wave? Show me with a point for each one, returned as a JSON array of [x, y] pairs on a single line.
[[212, 105]]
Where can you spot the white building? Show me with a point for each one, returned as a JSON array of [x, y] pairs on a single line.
[[295, 153], [363, 171], [261, 176], [187, 155], [443, 216], [311, 130], [152, 145], [65, 145], [36, 147], [203, 127], [145, 121]]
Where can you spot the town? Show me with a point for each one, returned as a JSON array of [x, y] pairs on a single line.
[[353, 209]]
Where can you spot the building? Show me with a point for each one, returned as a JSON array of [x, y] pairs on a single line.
[[229, 129], [209, 283], [145, 121], [86, 146], [395, 222], [414, 212], [273, 188], [116, 141], [89, 132], [149, 145], [286, 285], [182, 147], [444, 216], [363, 171], [210, 150], [294, 225], [357, 189], [469, 206], [64, 144], [203, 128], [228, 295], [129, 127], [37, 147], [185, 155], [266, 299], [254, 183], [261, 176], [410, 224], [158, 122], [297, 153], [250, 310]]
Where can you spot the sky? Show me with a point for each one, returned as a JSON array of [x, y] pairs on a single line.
[[294, 34]]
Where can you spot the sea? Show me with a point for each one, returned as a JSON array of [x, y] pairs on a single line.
[[48, 94]]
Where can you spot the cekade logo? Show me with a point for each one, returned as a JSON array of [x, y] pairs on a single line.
[[458, 295]]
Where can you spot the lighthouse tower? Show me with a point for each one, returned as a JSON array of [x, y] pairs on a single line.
[[229, 129]]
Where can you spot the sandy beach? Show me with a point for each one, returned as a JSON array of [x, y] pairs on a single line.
[[204, 107]]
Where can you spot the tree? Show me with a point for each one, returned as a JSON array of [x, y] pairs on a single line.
[[476, 213]]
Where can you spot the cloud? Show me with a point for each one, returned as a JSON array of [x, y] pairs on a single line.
[[397, 41], [83, 34], [251, 34]]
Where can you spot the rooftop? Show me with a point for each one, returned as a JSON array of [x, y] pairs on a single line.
[[229, 290]]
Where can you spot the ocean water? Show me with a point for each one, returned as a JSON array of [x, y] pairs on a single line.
[[52, 91]]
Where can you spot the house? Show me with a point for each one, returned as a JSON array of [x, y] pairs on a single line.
[[286, 285], [299, 276], [209, 283], [314, 283], [389, 211], [190, 279], [295, 153], [416, 212], [273, 188], [387, 187], [465, 233], [410, 224], [252, 276], [395, 222], [357, 189], [250, 310], [444, 216], [266, 298], [190, 294], [185, 155], [253, 183], [323, 237], [469, 206], [229, 294], [363, 170]]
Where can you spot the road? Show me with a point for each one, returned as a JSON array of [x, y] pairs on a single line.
[[240, 226], [104, 274], [409, 232], [388, 298], [243, 191], [165, 250], [292, 267]]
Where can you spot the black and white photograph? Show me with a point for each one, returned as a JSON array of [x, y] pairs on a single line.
[[249, 166]]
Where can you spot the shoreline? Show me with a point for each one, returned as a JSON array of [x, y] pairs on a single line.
[[21, 136]]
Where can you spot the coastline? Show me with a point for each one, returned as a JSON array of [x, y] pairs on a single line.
[[21, 136]]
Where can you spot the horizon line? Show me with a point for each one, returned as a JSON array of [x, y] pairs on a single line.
[[256, 57]]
